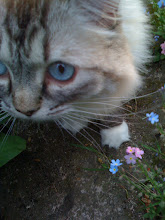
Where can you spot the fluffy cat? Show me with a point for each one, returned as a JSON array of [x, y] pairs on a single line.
[[71, 61]]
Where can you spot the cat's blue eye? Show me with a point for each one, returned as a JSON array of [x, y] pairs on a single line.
[[3, 69], [61, 71]]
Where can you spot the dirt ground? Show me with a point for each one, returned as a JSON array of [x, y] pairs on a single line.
[[48, 182]]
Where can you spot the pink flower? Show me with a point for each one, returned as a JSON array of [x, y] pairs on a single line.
[[130, 158], [138, 152], [163, 48], [130, 150]]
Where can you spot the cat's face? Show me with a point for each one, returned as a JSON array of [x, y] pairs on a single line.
[[55, 59]]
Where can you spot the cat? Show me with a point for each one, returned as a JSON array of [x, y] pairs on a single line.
[[72, 61]]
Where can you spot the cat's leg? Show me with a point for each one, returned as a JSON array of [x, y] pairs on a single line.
[[115, 135]]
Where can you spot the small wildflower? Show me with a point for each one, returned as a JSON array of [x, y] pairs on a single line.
[[130, 150], [145, 11], [164, 179], [138, 152], [130, 158], [113, 169], [116, 163], [163, 48], [163, 88], [161, 3], [156, 38], [152, 117]]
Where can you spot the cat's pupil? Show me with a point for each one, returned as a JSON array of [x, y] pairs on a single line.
[[61, 68]]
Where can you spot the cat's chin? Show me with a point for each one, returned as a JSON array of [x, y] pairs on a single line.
[[73, 126]]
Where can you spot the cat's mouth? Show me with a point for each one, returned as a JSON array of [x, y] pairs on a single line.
[[39, 115]]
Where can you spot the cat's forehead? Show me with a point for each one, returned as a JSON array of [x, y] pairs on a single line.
[[24, 28], [24, 11]]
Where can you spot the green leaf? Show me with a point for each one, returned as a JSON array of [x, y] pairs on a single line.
[[157, 14], [105, 166], [156, 58], [86, 148], [13, 146], [149, 215], [160, 33], [162, 57], [94, 169], [150, 148]]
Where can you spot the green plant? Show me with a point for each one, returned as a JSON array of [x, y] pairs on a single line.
[[10, 146], [156, 11]]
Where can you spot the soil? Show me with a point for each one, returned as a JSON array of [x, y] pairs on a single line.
[[47, 181]]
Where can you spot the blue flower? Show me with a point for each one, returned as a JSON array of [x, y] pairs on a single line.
[[145, 11], [161, 3], [152, 117], [113, 169], [116, 163], [156, 38]]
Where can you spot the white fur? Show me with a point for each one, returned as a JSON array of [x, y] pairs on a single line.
[[134, 23], [114, 137], [73, 126], [136, 29]]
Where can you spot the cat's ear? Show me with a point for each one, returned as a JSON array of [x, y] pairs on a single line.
[[101, 12]]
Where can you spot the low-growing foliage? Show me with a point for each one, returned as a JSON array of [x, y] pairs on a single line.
[[13, 146], [10, 145], [156, 12]]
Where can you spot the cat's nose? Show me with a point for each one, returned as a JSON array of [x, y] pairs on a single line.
[[25, 102]]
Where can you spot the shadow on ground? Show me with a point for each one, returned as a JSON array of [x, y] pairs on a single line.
[[48, 182]]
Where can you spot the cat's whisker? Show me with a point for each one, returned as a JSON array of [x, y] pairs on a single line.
[[104, 107], [82, 119], [123, 115], [2, 113], [70, 133], [101, 105], [66, 121], [6, 124], [58, 125], [104, 115], [8, 133], [137, 114], [118, 98], [88, 120], [89, 117], [91, 140], [114, 115], [4, 117], [94, 102]]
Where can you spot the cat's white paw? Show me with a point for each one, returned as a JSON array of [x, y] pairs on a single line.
[[115, 136]]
